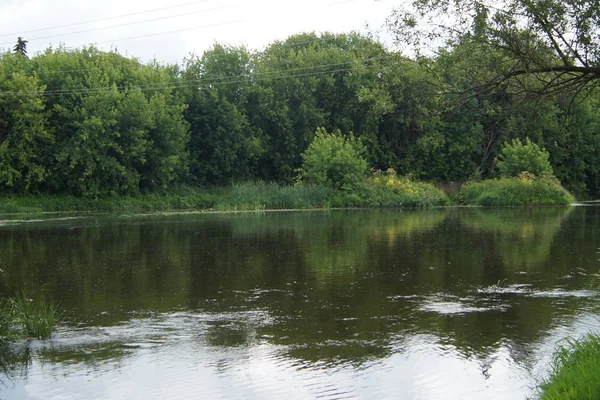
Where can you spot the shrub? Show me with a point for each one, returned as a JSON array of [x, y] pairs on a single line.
[[386, 189], [517, 157], [524, 190], [334, 161]]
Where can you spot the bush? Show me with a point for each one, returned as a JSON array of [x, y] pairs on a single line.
[[334, 161], [517, 157], [389, 190], [524, 190], [575, 371]]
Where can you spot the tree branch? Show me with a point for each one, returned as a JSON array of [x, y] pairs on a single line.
[[584, 70]]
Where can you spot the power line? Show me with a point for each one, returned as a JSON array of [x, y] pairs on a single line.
[[111, 67], [134, 23], [175, 31], [126, 24], [214, 81], [203, 81], [105, 19], [159, 33]]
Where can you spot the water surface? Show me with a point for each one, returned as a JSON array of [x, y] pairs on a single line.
[[437, 304]]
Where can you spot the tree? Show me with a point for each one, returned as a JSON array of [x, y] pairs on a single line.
[[333, 160], [335, 81], [21, 47], [554, 41], [224, 146], [23, 134], [110, 135], [517, 157]]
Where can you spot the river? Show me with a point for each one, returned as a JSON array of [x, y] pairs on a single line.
[[459, 303]]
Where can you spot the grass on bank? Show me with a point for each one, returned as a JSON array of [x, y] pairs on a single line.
[[178, 199], [523, 190], [386, 189], [575, 371], [24, 318], [377, 191]]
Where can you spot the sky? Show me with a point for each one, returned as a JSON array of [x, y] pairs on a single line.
[[170, 31]]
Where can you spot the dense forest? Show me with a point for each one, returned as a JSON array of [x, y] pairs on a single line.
[[91, 123]]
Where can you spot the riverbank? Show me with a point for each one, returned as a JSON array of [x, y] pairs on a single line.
[[377, 192], [238, 197], [575, 371]]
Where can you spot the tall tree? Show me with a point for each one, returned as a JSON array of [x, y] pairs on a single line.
[[21, 47]]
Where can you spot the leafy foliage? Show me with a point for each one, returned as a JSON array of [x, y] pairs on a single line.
[[23, 135], [334, 161], [516, 157], [553, 41], [389, 190], [524, 190], [95, 124]]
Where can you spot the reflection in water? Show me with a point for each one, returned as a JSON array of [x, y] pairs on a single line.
[[524, 236], [462, 303]]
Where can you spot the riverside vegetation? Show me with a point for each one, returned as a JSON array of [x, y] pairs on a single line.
[[87, 129], [575, 371], [24, 318], [526, 178], [334, 174]]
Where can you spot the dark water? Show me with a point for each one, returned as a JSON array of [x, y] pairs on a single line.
[[439, 304]]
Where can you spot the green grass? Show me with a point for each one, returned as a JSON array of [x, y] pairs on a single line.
[[180, 199], [575, 371], [24, 318], [237, 197], [515, 192], [271, 196]]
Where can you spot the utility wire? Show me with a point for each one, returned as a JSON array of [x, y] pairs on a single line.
[[218, 80], [204, 81], [127, 24], [134, 23], [214, 80], [105, 19], [175, 31], [140, 65]]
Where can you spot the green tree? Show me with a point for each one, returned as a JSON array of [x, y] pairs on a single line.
[[21, 47], [334, 161], [224, 146], [310, 81], [23, 130], [553, 41], [517, 157], [119, 127]]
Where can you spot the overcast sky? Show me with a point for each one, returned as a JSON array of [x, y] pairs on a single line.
[[200, 24]]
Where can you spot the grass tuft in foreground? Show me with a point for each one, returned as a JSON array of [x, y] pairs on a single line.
[[575, 371], [524, 190], [24, 318]]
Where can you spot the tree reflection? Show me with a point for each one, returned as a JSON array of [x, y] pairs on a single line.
[[329, 288]]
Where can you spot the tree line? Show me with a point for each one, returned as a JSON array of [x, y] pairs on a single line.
[[92, 123]]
